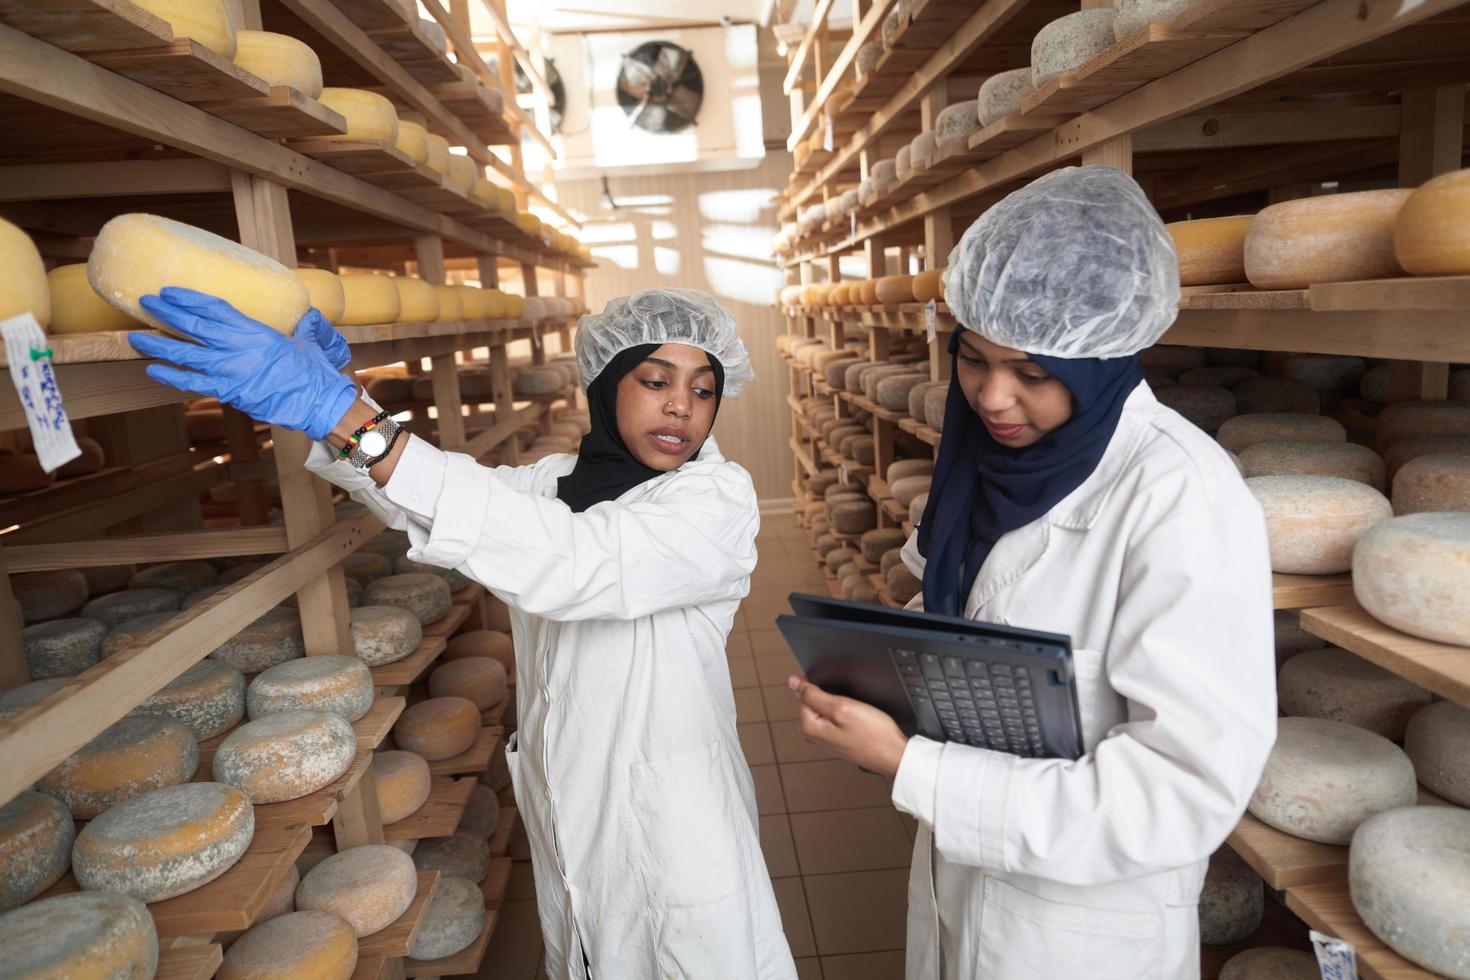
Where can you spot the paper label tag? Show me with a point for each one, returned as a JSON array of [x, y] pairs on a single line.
[[35, 382], [842, 475], [536, 335], [1336, 959], [828, 137], [931, 320], [852, 224]]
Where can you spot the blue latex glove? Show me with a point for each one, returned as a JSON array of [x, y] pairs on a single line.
[[280, 380], [317, 328]]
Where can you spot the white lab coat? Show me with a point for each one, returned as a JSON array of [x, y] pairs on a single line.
[[1030, 869], [628, 772]]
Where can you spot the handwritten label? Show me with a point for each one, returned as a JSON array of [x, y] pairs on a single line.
[[35, 382], [1336, 959], [931, 320], [536, 335], [828, 137]]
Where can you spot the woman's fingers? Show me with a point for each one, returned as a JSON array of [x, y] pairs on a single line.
[[812, 696], [201, 384], [168, 349], [209, 308]]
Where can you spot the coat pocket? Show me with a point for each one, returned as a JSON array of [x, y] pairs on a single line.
[[1026, 937]]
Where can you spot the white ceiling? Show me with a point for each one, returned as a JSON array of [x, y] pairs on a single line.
[[575, 16]]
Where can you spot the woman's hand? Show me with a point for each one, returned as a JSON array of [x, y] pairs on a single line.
[[319, 329], [857, 732], [280, 380]]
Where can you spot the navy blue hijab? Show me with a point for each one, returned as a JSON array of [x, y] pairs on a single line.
[[982, 489]]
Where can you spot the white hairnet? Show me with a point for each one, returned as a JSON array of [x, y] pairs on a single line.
[[1075, 264], [663, 316]]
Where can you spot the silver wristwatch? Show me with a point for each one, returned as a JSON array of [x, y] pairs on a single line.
[[374, 444]]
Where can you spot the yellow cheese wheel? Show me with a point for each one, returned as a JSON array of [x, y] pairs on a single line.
[[507, 199], [481, 643], [928, 285], [286, 756], [1432, 234], [451, 305], [515, 305], [368, 299], [297, 946], [484, 192], [462, 170], [369, 886], [418, 301], [895, 289], [205, 21], [369, 115], [135, 755], [80, 936], [478, 679], [497, 304], [279, 60], [1211, 250], [325, 290], [1337, 238], [138, 254], [23, 287], [412, 141], [76, 307], [403, 784], [438, 154], [166, 842], [868, 292], [474, 305], [36, 834], [439, 728], [529, 223]]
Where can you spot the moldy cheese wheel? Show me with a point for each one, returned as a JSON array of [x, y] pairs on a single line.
[[1431, 236], [337, 684], [368, 886], [1413, 573], [1211, 250], [279, 60], [286, 756], [1314, 522], [23, 288], [426, 596], [182, 577], [1243, 431], [1337, 238], [460, 855], [272, 639], [49, 595], [384, 634], [439, 728], [1404, 420], [1303, 458], [36, 835], [403, 780], [208, 699], [306, 945], [62, 647], [1000, 95], [1433, 483], [1344, 687], [369, 115], [76, 307], [452, 922], [135, 755], [1438, 742], [80, 936], [1068, 42]]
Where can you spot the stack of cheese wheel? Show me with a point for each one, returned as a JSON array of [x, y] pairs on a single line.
[[49, 595], [286, 756], [1337, 238], [87, 934], [129, 758], [439, 728], [369, 886], [308, 944]]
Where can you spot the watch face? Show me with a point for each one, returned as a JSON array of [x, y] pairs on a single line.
[[373, 443]]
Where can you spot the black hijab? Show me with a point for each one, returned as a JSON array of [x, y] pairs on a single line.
[[605, 468]]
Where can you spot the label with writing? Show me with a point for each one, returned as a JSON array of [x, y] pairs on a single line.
[[1336, 959], [931, 320], [828, 137], [29, 355]]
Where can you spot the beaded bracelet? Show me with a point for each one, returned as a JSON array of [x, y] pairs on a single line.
[[353, 439]]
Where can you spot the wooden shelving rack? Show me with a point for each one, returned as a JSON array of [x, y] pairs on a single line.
[[111, 113], [1228, 107]]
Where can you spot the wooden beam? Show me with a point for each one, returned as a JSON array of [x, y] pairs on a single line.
[[175, 546], [14, 670], [870, 26], [808, 39], [1234, 127], [112, 178]]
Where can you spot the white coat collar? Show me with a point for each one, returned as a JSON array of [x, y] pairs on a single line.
[[1080, 509]]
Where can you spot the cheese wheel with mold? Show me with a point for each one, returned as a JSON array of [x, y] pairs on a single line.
[[1334, 238], [286, 756], [1431, 235], [1342, 686], [1438, 482], [279, 59], [838, 557], [452, 577], [875, 543], [439, 728], [166, 842], [867, 58], [452, 921], [49, 595], [481, 815], [954, 126], [1271, 963], [1002, 94], [1413, 573], [62, 647], [404, 783], [369, 115], [1323, 778], [1314, 522], [129, 758], [36, 835], [1232, 902], [1437, 741], [82, 935], [384, 634], [1205, 406], [1243, 431], [481, 643], [1405, 420], [934, 404], [305, 945], [1256, 396], [870, 379], [1325, 373], [480, 680], [892, 393], [369, 886], [337, 684], [208, 699], [25, 695], [182, 577], [272, 639], [1409, 878], [1211, 250], [133, 633], [1346, 460], [460, 855], [425, 595], [76, 307], [902, 583], [905, 490], [24, 288], [1133, 16], [923, 150], [1069, 42]]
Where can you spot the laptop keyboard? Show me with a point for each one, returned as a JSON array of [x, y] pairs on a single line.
[[979, 703]]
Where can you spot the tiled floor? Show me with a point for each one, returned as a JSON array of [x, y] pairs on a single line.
[[837, 851]]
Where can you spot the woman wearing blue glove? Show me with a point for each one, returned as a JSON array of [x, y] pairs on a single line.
[[623, 568]]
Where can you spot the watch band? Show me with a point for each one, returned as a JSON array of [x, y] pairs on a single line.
[[390, 430], [347, 451]]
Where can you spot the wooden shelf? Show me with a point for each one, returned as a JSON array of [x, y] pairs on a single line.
[[500, 841], [464, 962], [189, 962], [1329, 908], [370, 730], [401, 673], [440, 814], [394, 941], [494, 714], [1437, 667], [473, 760], [496, 882], [370, 967], [1304, 591], [1286, 861]]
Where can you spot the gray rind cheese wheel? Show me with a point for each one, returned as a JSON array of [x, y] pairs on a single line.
[[102, 579], [370, 886], [366, 566], [1221, 376], [934, 402], [537, 381], [1271, 963], [1290, 638], [338, 684], [836, 370], [884, 176], [905, 490], [1398, 455], [1409, 877], [825, 545], [1404, 420], [208, 699], [1244, 431], [282, 899], [1002, 95], [902, 583], [864, 592], [1068, 42], [384, 634], [481, 680], [916, 509], [1275, 396], [481, 815], [452, 921], [852, 374], [36, 834], [460, 855], [1346, 460], [272, 639], [901, 160], [838, 557], [129, 758], [1323, 778], [903, 468], [166, 842], [286, 756], [62, 647], [426, 596], [879, 372], [892, 393], [1314, 522], [1172, 359], [875, 543], [1344, 687], [956, 124], [1205, 406], [439, 728], [1232, 902], [1413, 573], [391, 544], [922, 151], [25, 695], [1325, 373], [868, 56], [133, 633], [1373, 386], [91, 934], [889, 559], [1438, 743], [1435, 483], [917, 396], [854, 516], [182, 577], [1132, 16], [49, 595]]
